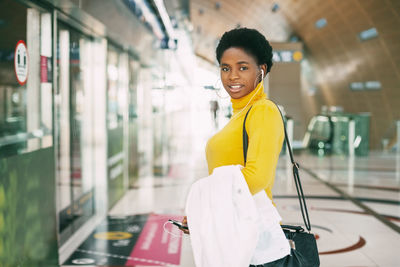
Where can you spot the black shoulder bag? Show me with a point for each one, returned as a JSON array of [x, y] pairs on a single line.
[[304, 251]]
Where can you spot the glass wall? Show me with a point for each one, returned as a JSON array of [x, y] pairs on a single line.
[[160, 135], [27, 183], [13, 117], [73, 119], [117, 118], [133, 158], [25, 80]]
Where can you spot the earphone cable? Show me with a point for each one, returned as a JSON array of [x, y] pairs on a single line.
[[262, 81], [166, 230]]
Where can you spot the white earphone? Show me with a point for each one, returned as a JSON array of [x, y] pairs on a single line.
[[262, 80]]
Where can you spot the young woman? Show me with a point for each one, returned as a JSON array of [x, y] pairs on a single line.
[[245, 58]]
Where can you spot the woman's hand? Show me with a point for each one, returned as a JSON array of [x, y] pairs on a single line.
[[184, 222]]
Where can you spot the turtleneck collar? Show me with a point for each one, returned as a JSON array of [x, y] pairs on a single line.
[[253, 96]]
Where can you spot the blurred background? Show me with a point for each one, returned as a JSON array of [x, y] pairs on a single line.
[[106, 107]]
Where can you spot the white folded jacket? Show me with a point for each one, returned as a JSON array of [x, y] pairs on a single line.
[[230, 227]]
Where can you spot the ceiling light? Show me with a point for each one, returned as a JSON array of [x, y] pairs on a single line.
[[357, 86], [321, 23], [373, 85], [275, 7], [368, 34], [294, 39]]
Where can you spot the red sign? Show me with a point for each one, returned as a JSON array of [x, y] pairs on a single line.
[[43, 69], [156, 247], [21, 62]]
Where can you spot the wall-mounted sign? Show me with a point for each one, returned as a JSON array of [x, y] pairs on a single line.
[[357, 86], [368, 85], [45, 69], [287, 56], [21, 64]]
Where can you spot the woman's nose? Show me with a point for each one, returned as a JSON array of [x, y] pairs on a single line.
[[233, 75]]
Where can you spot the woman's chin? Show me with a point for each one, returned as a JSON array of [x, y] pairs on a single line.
[[236, 95]]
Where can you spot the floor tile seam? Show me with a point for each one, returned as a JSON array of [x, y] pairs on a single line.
[[355, 209], [339, 172], [345, 168], [158, 186], [364, 251], [369, 187], [358, 203], [323, 197], [340, 177]]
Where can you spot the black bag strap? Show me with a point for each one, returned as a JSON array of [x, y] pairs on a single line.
[[295, 167], [245, 138]]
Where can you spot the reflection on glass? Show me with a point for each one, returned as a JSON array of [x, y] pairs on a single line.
[[12, 95], [115, 93], [75, 180], [133, 158], [25, 85], [117, 122]]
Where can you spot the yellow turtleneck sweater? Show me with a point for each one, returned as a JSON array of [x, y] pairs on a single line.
[[264, 127]]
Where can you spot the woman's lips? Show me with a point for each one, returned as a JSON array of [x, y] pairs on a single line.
[[235, 88]]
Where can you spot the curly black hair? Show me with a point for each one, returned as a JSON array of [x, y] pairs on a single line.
[[251, 41]]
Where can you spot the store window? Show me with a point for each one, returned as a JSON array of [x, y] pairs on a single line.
[[117, 122], [73, 109], [25, 79]]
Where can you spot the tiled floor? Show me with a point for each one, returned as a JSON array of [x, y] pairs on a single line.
[[354, 204], [348, 235]]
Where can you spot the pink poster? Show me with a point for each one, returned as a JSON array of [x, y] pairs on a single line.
[[43, 69], [156, 247]]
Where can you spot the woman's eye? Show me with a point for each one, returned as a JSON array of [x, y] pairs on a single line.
[[244, 68], [224, 69]]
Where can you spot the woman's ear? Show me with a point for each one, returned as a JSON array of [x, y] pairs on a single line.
[[263, 67]]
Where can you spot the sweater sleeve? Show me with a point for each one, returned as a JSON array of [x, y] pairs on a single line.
[[264, 127]]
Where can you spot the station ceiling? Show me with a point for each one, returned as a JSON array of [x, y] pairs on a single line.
[[335, 52]]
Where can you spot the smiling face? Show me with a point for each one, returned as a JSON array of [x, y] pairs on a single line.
[[240, 73]]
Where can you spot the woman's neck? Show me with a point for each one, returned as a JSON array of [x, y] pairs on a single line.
[[247, 100]]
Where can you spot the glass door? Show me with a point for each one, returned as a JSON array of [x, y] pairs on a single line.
[[72, 133], [27, 182], [133, 157], [117, 123]]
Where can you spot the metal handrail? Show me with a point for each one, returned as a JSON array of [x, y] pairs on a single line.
[[22, 137]]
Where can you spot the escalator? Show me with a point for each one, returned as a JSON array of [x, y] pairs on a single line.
[[328, 134]]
